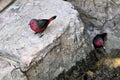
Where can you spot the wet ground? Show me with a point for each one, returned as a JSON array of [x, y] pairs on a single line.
[[106, 68]]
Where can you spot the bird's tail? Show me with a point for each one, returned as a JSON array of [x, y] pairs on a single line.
[[52, 18], [103, 35]]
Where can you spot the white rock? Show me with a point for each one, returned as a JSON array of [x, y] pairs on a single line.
[[17, 37]]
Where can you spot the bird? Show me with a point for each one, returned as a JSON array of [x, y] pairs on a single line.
[[39, 25], [99, 41]]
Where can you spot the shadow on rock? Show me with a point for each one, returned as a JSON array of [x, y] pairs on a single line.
[[107, 68]]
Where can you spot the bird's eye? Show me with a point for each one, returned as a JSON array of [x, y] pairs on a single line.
[[32, 22]]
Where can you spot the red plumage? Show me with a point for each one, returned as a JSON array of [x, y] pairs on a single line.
[[40, 25], [99, 40]]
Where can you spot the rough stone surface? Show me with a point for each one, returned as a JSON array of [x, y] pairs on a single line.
[[64, 41], [101, 16], [68, 50], [7, 71], [19, 40], [107, 68], [58, 49], [4, 4]]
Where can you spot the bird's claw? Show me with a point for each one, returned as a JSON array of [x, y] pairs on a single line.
[[104, 48], [41, 35], [35, 32]]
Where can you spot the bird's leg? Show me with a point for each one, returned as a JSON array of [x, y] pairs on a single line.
[[104, 48], [35, 32], [41, 35], [106, 55]]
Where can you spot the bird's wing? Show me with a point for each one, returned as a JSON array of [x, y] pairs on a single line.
[[42, 23]]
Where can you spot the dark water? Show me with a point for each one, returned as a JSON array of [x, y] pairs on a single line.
[[106, 68]]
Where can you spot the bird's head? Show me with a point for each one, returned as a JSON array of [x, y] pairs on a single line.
[[32, 22]]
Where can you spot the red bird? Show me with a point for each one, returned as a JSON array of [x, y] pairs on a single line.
[[99, 40], [40, 25]]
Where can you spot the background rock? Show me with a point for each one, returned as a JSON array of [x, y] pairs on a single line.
[[5, 3], [68, 50], [7, 71], [19, 40], [107, 68], [60, 47], [66, 40], [101, 16]]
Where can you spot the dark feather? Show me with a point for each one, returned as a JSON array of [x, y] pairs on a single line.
[[103, 35], [42, 23]]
